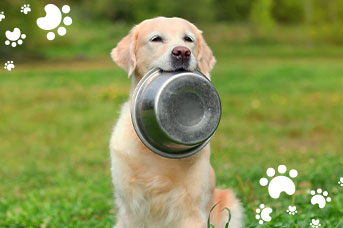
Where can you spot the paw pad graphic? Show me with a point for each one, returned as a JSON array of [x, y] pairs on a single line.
[[263, 214], [320, 197], [292, 210], [2, 15], [9, 65], [280, 183], [340, 182], [15, 37], [53, 19], [315, 223], [25, 9]]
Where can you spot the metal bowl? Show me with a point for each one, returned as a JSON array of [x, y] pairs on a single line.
[[175, 114]]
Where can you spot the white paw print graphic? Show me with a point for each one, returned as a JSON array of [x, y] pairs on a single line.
[[292, 210], [320, 197], [340, 182], [2, 15], [15, 37], [263, 214], [53, 19], [315, 223], [25, 9], [9, 65], [280, 183]]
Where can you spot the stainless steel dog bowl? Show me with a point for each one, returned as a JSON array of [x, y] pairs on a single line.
[[175, 114]]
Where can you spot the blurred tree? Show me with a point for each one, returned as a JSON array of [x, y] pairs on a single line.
[[324, 20], [193, 10], [144, 9], [261, 16], [138, 10], [333, 10], [308, 9], [288, 11], [320, 11], [233, 10]]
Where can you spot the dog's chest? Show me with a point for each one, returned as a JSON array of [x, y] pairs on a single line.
[[151, 196], [150, 188]]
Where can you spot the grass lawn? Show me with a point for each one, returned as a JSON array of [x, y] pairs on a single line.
[[281, 105]]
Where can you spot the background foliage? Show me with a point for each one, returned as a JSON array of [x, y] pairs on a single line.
[[317, 21]]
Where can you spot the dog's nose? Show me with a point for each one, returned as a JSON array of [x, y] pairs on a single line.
[[181, 53]]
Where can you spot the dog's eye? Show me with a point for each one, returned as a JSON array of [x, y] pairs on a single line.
[[187, 38], [156, 39]]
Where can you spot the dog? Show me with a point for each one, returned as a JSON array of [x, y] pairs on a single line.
[[152, 191]]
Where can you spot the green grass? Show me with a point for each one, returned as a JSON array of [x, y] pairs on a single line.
[[282, 104]]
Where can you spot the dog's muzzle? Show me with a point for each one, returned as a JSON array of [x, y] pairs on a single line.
[[175, 114]]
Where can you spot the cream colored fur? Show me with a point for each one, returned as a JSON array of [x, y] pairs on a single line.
[[152, 191]]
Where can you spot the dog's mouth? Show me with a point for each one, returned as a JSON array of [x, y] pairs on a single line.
[[177, 67], [180, 66], [181, 69]]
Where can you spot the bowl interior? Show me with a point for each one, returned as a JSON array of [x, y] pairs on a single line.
[[188, 109]]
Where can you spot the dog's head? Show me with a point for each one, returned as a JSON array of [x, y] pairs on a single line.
[[168, 43]]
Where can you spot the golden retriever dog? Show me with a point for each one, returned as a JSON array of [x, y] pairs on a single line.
[[152, 191]]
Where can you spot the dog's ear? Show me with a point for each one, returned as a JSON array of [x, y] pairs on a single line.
[[205, 56], [124, 55]]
